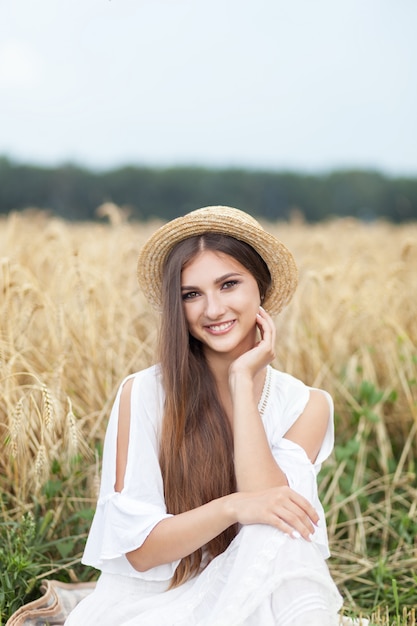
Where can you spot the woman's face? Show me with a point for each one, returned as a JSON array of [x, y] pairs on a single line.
[[221, 299]]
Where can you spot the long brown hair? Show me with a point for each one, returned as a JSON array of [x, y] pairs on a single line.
[[196, 447]]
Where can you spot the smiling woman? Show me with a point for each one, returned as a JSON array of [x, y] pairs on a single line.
[[208, 512]]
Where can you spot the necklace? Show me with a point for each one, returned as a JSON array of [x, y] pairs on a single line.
[[265, 392]]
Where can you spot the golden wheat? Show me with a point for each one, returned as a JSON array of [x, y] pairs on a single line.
[[73, 323]]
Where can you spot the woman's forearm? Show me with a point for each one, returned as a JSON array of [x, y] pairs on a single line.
[[255, 465], [176, 537]]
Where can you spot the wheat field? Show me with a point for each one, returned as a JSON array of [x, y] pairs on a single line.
[[73, 323]]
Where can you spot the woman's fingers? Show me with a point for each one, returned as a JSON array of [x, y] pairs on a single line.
[[263, 352], [304, 505], [266, 326], [295, 524], [290, 530], [268, 332], [280, 507], [296, 512]]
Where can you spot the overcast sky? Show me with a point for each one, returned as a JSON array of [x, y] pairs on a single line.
[[307, 85]]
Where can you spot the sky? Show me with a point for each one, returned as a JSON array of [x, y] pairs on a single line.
[[303, 85]]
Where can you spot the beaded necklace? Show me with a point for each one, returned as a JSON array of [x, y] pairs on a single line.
[[265, 392]]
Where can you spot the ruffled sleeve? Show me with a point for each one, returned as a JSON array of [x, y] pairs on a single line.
[[123, 520]]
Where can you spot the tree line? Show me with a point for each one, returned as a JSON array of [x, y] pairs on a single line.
[[75, 193]]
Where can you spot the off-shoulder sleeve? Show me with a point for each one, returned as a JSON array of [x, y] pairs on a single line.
[[123, 520], [289, 401], [294, 397]]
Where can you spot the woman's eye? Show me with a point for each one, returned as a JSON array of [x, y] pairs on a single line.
[[189, 295], [230, 283]]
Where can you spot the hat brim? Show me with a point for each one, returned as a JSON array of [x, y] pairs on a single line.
[[228, 221]]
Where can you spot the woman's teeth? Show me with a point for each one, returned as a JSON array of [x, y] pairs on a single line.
[[219, 327]]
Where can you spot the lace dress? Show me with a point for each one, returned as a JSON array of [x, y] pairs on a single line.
[[264, 578]]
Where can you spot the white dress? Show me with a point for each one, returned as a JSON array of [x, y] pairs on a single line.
[[264, 577]]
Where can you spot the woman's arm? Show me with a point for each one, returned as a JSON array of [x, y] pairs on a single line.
[[255, 466], [178, 536]]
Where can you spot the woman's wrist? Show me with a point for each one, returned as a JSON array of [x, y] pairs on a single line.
[[240, 381], [229, 509]]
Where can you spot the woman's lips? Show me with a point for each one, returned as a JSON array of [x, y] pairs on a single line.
[[220, 329]]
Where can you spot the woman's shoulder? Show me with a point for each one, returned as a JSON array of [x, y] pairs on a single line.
[[284, 382], [287, 383], [150, 376], [290, 394], [146, 385], [289, 397]]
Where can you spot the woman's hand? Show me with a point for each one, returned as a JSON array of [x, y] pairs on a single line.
[[281, 507], [252, 361]]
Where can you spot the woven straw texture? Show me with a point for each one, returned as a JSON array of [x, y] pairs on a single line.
[[229, 221]]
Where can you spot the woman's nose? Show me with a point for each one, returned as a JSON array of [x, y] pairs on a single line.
[[214, 306]]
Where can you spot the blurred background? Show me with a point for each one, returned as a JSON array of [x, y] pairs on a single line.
[[165, 105]]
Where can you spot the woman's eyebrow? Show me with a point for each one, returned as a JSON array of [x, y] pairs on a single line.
[[218, 280], [226, 277], [188, 288]]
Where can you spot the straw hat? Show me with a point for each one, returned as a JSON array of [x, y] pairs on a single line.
[[229, 221]]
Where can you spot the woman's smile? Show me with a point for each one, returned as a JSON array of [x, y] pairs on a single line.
[[220, 329]]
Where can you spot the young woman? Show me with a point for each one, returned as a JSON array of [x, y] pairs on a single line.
[[208, 512]]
